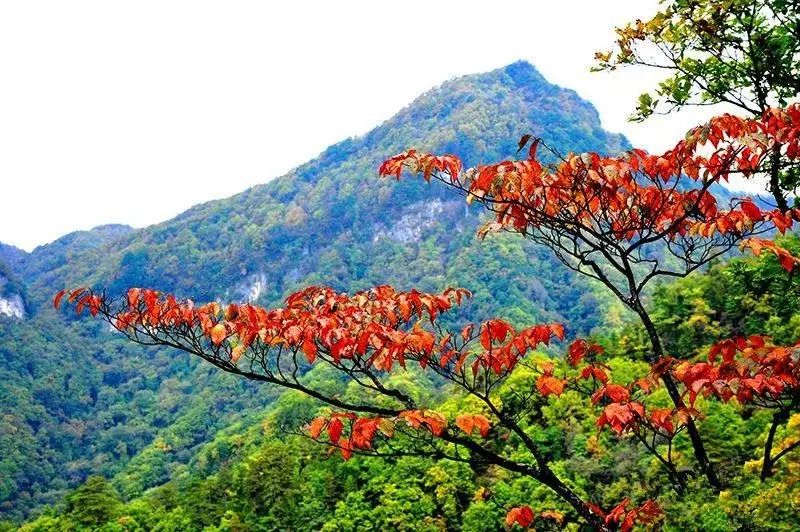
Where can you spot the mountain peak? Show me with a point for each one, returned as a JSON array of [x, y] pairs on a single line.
[[519, 74], [486, 113], [522, 73]]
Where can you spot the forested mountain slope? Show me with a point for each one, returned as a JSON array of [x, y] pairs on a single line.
[[76, 402], [332, 221]]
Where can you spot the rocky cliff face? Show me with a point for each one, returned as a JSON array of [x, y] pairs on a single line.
[[12, 294], [12, 306]]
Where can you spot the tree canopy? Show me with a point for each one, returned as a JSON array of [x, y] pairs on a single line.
[[743, 53]]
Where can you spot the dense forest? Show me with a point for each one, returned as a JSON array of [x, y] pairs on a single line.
[[496, 424], [252, 475]]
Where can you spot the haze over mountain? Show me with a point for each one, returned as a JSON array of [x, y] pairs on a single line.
[[77, 401]]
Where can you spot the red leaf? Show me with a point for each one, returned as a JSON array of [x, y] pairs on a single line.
[[466, 332], [523, 141], [521, 515], [532, 150], [335, 427], [596, 372], [57, 299], [787, 262], [750, 210], [577, 350], [614, 392], [310, 350]]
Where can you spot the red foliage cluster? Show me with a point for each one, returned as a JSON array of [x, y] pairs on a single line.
[[748, 369], [361, 434], [524, 516], [82, 298], [313, 319], [504, 346], [759, 245], [424, 163], [580, 349], [548, 383], [520, 515], [375, 327], [381, 324], [625, 518], [633, 195], [362, 431], [621, 406], [620, 517]]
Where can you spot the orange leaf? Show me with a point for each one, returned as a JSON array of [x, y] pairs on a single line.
[[236, 353], [558, 517], [549, 385], [465, 423], [469, 422], [482, 424], [218, 333], [316, 426], [133, 296]]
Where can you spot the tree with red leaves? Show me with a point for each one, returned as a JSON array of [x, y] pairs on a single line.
[[623, 221], [627, 220], [365, 336]]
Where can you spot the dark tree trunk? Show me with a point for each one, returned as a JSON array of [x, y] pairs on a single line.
[[700, 454], [549, 479], [778, 418], [775, 182]]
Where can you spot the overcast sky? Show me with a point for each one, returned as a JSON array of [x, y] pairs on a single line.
[[131, 112]]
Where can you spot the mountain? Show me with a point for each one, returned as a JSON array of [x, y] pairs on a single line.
[[332, 221], [77, 401], [16, 264], [48, 257]]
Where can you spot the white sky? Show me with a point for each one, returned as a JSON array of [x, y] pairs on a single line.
[[131, 112]]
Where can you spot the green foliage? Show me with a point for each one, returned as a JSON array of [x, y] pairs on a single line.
[[93, 504], [70, 411], [744, 297], [740, 52], [253, 476]]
